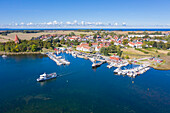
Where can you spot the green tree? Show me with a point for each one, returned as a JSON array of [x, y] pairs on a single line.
[[90, 44], [2, 48], [34, 48], [125, 41]]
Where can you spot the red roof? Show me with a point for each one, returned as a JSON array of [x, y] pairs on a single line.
[[16, 39], [139, 43], [94, 43], [79, 46], [131, 43], [87, 47], [84, 44]]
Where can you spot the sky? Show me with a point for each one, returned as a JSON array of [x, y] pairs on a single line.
[[132, 12]]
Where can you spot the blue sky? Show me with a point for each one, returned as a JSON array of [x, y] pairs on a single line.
[[133, 12]]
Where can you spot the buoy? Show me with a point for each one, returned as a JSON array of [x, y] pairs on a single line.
[[132, 82], [148, 89]]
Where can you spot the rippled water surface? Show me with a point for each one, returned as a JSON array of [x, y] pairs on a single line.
[[80, 89]]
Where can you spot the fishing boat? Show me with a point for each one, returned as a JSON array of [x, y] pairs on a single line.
[[45, 77]]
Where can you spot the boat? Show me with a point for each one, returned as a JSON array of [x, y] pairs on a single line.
[[74, 55], [4, 56], [45, 77], [117, 70], [92, 59], [94, 65]]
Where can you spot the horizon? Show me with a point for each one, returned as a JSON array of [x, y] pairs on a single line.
[[84, 13]]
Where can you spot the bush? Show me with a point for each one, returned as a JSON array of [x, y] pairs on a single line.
[[127, 57], [168, 53]]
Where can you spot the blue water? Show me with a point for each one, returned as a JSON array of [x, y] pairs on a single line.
[[111, 29], [80, 89]]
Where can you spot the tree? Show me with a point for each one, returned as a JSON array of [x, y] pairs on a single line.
[[90, 44], [112, 43], [95, 36], [2, 48], [82, 35], [125, 41], [72, 34], [126, 57], [34, 48], [7, 48]]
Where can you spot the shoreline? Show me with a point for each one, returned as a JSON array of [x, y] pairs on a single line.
[[29, 53], [159, 68]]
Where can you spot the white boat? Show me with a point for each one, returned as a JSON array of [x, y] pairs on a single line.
[[92, 59], [117, 70], [4, 56], [74, 55], [65, 61], [45, 77]]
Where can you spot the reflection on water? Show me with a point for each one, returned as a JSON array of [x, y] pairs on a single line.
[[79, 89]]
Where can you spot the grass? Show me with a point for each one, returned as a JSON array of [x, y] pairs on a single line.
[[28, 36], [132, 53], [142, 51]]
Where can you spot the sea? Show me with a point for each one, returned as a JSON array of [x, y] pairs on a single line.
[[80, 88]]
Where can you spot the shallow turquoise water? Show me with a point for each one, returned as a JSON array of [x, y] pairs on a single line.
[[81, 89]]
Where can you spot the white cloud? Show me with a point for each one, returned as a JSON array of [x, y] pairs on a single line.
[[30, 23], [116, 24], [49, 23]]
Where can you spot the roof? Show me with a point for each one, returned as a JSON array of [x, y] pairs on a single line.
[[131, 43], [94, 43], [86, 47], [16, 38], [84, 44], [139, 43]]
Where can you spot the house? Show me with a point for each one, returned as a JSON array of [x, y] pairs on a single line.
[[138, 44], [132, 36], [16, 40], [131, 44], [158, 60], [135, 45], [87, 49], [94, 44], [84, 47], [97, 48], [79, 48]]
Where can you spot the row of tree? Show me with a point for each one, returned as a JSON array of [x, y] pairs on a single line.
[[26, 46], [158, 45]]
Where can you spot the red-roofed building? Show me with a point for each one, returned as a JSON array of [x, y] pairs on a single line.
[[16, 40], [137, 44], [115, 58], [84, 44], [94, 44]]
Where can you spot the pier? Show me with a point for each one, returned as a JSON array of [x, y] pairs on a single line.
[[58, 59], [132, 72]]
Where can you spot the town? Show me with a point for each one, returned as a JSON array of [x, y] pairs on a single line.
[[119, 49]]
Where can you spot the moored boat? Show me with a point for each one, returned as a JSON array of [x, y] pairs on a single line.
[[4, 56]]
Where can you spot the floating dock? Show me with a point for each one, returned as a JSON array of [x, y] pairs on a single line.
[[94, 65]]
